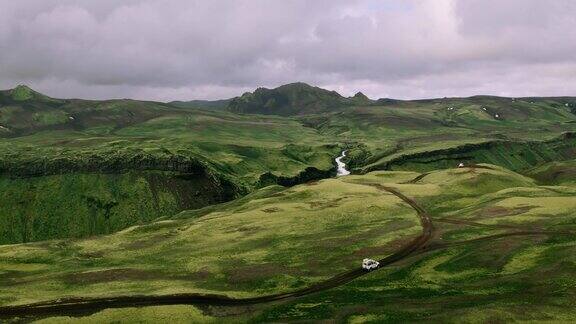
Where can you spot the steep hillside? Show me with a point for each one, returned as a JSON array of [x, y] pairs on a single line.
[[514, 155], [555, 173], [73, 205]]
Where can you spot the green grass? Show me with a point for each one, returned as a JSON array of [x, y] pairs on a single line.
[[277, 240], [120, 194], [158, 314], [555, 173], [280, 242], [80, 205]]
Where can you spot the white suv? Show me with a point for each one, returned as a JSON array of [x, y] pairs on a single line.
[[369, 264]]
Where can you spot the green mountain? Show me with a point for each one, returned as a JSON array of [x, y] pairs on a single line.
[[291, 99], [24, 111]]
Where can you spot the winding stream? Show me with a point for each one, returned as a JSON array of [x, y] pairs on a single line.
[[341, 165]]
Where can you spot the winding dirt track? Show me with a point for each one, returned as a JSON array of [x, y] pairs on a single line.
[[78, 306]]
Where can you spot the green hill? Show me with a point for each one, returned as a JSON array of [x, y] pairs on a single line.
[[291, 99], [500, 243], [202, 104], [75, 168], [24, 111], [131, 148]]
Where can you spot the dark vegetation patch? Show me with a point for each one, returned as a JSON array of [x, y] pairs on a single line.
[[309, 174], [272, 210], [80, 205], [515, 156], [497, 211]]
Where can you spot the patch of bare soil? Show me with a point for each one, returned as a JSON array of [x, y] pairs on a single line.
[[498, 211], [272, 210]]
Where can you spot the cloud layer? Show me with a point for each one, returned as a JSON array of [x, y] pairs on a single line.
[[187, 49]]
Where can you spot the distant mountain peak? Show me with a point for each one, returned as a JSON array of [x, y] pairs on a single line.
[[359, 96], [23, 92], [290, 99]]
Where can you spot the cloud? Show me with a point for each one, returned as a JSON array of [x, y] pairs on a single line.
[[185, 49]]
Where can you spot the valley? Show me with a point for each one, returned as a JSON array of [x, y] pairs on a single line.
[[260, 208]]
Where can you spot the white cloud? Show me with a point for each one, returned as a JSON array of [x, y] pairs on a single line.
[[180, 49]]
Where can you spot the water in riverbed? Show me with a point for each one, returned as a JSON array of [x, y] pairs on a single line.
[[341, 171]]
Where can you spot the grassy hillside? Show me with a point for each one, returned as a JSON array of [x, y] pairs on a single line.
[[24, 111], [515, 156], [76, 176], [57, 139], [382, 132], [275, 240], [88, 204], [555, 173], [50, 148], [501, 244], [498, 251]]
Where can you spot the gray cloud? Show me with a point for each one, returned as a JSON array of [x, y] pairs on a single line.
[[185, 49]]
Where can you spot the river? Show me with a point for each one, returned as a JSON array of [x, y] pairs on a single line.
[[341, 165]]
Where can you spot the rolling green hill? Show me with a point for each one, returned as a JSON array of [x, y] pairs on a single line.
[[125, 197], [182, 158], [501, 243], [24, 111]]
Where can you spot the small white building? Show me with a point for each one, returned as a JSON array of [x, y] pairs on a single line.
[[496, 116], [461, 165]]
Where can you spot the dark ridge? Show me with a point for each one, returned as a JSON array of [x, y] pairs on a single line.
[[515, 156], [309, 174], [287, 100]]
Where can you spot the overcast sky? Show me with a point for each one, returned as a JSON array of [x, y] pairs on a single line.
[[187, 49]]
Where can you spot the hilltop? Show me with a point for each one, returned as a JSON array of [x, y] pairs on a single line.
[[293, 99], [24, 111]]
